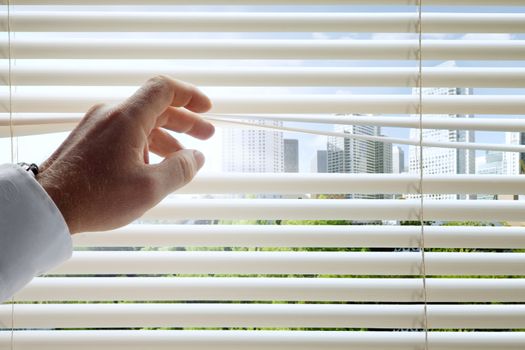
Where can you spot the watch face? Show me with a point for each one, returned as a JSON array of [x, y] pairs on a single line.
[[33, 168]]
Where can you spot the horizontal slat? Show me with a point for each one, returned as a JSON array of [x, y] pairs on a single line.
[[86, 21], [353, 183], [37, 123], [342, 263], [263, 315], [270, 289], [56, 101], [264, 49], [334, 209], [305, 236], [29, 130], [259, 340], [482, 124], [274, 2], [123, 74], [22, 128]]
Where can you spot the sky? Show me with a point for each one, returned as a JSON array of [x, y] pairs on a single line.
[[37, 148]]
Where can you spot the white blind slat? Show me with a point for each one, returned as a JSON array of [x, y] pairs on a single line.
[[305, 236], [492, 124], [112, 74], [343, 263], [71, 21], [270, 289], [67, 102], [264, 315], [260, 340], [58, 48], [332, 183], [41, 123], [334, 209]]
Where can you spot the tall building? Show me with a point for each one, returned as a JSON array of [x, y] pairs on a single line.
[[514, 162], [443, 160], [398, 160], [291, 155], [349, 155], [492, 163], [319, 162], [383, 157], [252, 150]]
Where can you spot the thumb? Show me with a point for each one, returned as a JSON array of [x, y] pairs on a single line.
[[179, 168]]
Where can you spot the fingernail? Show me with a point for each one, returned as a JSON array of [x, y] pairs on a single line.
[[199, 158]]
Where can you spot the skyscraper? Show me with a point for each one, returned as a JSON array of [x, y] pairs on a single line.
[[494, 163], [253, 150], [398, 160], [348, 155], [491, 163], [319, 162], [513, 162], [443, 160], [291, 155]]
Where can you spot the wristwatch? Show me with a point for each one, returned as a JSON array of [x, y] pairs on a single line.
[[33, 168]]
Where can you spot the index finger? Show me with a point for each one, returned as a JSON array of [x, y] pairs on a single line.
[[161, 92]]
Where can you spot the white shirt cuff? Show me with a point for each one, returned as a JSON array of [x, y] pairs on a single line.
[[34, 237]]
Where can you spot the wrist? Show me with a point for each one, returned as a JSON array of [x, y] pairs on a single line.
[[58, 196]]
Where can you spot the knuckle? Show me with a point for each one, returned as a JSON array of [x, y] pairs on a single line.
[[159, 83], [159, 86], [160, 79], [185, 169], [96, 109]]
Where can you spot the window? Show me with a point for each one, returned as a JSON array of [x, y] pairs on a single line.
[[348, 256]]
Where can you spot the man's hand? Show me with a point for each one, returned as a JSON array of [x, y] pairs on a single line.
[[100, 177]]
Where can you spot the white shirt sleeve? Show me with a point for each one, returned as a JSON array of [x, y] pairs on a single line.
[[33, 234]]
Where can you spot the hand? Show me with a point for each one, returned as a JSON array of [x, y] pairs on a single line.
[[100, 177]]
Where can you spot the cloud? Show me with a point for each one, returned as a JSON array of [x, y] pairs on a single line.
[[394, 36], [487, 36], [443, 36], [438, 36], [320, 36], [336, 36]]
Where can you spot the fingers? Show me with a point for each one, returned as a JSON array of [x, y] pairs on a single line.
[[185, 121], [160, 92], [177, 169], [162, 143]]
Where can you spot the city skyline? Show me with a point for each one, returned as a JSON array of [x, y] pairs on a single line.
[[442, 160], [350, 155]]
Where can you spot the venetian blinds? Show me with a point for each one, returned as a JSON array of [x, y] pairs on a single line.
[[352, 256]]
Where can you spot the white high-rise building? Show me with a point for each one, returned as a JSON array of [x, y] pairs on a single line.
[[253, 150], [511, 160], [398, 160], [443, 160], [348, 155], [492, 163]]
